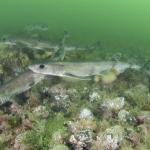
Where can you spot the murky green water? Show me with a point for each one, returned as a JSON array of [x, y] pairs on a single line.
[[117, 23], [71, 106]]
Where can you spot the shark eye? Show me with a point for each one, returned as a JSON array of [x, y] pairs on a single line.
[[41, 66]]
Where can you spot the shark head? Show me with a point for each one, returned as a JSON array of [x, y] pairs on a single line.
[[38, 68], [47, 69]]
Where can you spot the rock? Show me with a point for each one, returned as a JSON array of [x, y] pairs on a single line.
[[125, 116], [82, 132], [57, 137], [41, 111], [94, 96], [15, 108], [60, 99], [139, 96], [134, 139], [5, 137], [4, 125], [73, 93], [60, 147], [19, 142], [83, 124], [113, 137], [58, 89], [77, 145], [86, 114], [56, 92], [97, 144], [84, 136], [72, 127], [81, 140], [113, 104]]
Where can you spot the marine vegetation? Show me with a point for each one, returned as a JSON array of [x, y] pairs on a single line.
[[50, 111]]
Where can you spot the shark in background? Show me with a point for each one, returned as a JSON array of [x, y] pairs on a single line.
[[58, 49], [20, 84]]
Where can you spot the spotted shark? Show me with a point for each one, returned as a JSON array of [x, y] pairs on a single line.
[[81, 70]]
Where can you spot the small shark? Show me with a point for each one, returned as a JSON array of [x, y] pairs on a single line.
[[38, 44], [57, 51], [19, 85], [36, 27], [81, 70]]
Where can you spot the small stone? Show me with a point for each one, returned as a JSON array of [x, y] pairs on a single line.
[[60, 147], [114, 104], [113, 137], [82, 124], [86, 114], [125, 116], [41, 111], [19, 144], [94, 96], [81, 140], [84, 136], [57, 137], [140, 120], [73, 140]]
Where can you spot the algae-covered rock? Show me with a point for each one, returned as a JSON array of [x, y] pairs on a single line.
[[79, 125], [113, 137], [81, 133], [114, 104], [15, 121], [86, 114], [138, 96], [94, 96], [58, 137], [41, 111], [5, 137], [81, 140], [60, 147], [19, 142], [125, 116], [13, 62]]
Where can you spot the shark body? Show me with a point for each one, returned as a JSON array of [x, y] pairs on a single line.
[[80, 69]]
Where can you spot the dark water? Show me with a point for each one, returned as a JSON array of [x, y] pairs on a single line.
[[118, 24]]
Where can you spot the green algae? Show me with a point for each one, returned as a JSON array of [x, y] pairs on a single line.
[[15, 121], [131, 84], [139, 96], [40, 137]]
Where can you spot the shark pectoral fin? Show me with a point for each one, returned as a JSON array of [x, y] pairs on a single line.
[[77, 77]]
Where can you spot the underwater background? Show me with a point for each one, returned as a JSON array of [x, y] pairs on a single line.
[[74, 75], [119, 25]]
